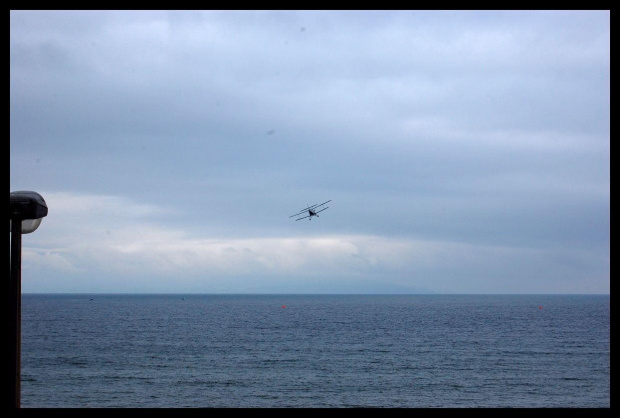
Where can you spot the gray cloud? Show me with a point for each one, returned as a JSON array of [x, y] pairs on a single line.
[[481, 128]]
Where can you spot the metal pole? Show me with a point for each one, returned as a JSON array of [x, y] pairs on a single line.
[[15, 306]]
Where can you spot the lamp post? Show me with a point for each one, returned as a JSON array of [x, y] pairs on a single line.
[[27, 210]]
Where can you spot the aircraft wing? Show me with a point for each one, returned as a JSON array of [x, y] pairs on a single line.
[[316, 206], [309, 207], [302, 218], [322, 210]]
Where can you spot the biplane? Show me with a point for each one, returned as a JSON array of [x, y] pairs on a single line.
[[311, 211]]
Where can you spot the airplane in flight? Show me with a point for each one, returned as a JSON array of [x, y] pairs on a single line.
[[311, 210]]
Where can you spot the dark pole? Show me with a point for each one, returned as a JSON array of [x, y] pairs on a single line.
[[30, 206], [15, 305]]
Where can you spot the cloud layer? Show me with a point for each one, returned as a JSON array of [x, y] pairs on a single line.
[[124, 242]]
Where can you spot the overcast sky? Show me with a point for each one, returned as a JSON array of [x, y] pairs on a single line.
[[463, 152]]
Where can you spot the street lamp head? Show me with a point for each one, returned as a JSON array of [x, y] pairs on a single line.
[[29, 207]]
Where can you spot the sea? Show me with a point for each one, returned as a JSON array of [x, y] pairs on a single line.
[[315, 351]]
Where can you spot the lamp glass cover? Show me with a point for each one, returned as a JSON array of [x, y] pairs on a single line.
[[28, 225]]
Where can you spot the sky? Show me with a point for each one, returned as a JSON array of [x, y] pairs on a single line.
[[464, 152]]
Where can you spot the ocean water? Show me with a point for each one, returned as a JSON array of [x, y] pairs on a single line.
[[315, 351]]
